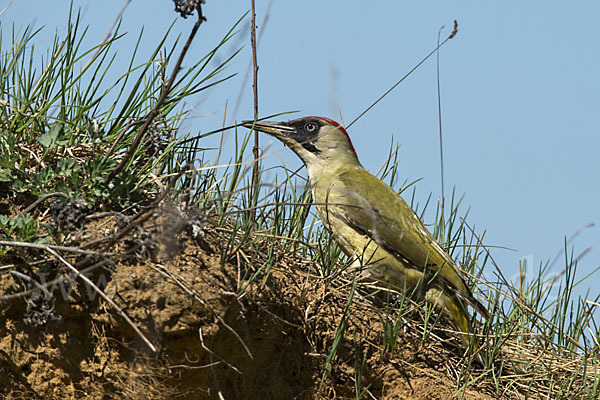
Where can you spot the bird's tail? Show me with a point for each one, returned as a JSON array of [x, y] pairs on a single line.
[[456, 308]]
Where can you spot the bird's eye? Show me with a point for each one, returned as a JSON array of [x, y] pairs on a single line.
[[310, 127]]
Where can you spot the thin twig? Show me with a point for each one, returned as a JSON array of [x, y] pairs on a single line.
[[120, 135], [212, 364], [439, 96], [221, 139], [263, 25], [69, 249], [165, 92], [104, 214], [5, 8], [20, 275], [105, 297], [53, 282], [406, 76], [108, 34], [215, 354], [255, 168], [179, 281], [45, 197]]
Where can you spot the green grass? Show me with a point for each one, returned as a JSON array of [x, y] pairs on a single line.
[[65, 128]]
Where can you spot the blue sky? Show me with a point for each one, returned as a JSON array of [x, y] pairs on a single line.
[[519, 95]]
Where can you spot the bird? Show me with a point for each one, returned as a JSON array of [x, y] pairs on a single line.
[[371, 222]]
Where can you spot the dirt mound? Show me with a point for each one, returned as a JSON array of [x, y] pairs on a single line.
[[217, 333]]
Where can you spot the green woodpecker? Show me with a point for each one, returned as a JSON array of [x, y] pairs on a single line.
[[371, 222]]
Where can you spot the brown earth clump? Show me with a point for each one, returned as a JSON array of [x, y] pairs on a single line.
[[218, 334]]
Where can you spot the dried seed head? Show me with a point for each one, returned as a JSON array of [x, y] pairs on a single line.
[[186, 7]]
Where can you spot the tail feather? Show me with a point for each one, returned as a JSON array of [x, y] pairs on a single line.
[[476, 304], [456, 308]]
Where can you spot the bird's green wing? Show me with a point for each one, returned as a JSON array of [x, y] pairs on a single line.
[[374, 209]]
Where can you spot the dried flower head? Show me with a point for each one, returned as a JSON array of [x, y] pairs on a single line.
[[187, 7]]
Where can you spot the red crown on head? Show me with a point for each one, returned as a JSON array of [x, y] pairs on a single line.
[[341, 128]]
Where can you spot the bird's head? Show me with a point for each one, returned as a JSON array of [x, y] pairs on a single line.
[[318, 141]]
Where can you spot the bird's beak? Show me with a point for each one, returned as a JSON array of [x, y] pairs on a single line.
[[277, 129]]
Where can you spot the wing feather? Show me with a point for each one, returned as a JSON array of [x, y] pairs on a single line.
[[395, 227]]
